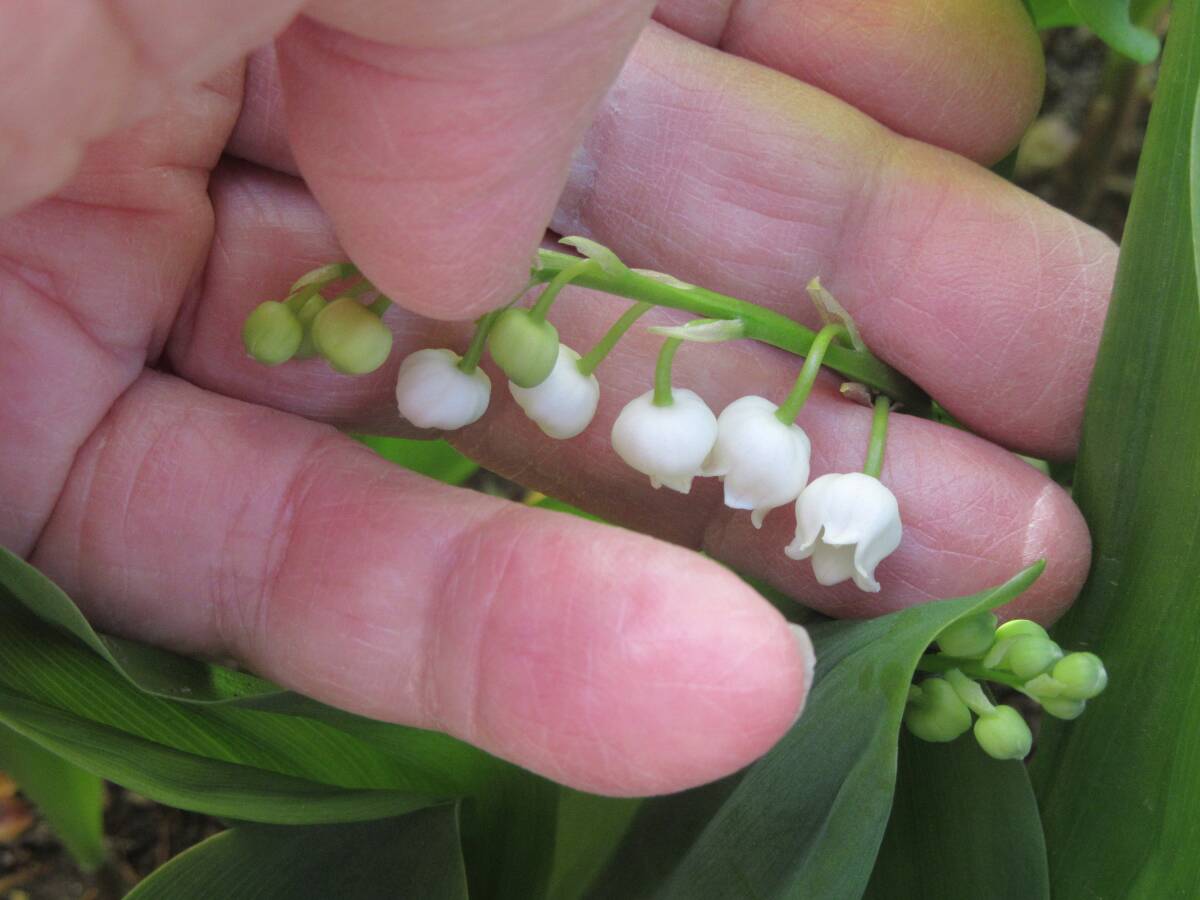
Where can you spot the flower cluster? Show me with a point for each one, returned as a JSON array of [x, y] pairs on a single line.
[[349, 335], [1018, 654], [845, 523]]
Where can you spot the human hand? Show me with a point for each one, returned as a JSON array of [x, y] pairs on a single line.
[[178, 513]]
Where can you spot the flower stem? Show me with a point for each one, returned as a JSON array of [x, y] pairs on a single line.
[[483, 325], [587, 365], [938, 663], [662, 372], [879, 428], [791, 407], [557, 283], [761, 324], [380, 306]]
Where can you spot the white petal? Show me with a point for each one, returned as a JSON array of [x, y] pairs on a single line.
[[810, 517], [832, 565], [564, 404], [432, 392], [763, 462], [667, 443], [853, 512]]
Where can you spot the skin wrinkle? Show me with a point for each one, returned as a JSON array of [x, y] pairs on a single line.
[[242, 621]]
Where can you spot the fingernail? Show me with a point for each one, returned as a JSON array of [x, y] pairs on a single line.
[[809, 661]]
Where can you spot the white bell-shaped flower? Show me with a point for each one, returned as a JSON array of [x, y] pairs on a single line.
[[433, 392], [848, 524], [563, 405], [668, 443], [762, 461]]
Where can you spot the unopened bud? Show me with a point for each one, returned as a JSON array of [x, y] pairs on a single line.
[[935, 712], [351, 337], [1031, 655], [1082, 675], [1063, 707], [524, 349], [969, 638], [272, 334], [1003, 734]]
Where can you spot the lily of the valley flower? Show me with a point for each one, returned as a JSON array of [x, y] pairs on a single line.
[[668, 443], [433, 392], [762, 461], [848, 524], [563, 405]]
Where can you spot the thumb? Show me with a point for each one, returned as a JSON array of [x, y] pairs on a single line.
[[440, 148]]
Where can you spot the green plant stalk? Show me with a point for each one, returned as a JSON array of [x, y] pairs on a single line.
[[380, 306], [662, 372], [470, 359], [790, 408], [936, 663], [560, 280], [760, 324], [878, 443], [588, 363]]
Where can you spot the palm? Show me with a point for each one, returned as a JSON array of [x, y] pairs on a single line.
[[179, 515]]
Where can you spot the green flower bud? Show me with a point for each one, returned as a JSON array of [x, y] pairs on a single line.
[[307, 314], [524, 349], [1003, 734], [351, 337], [935, 712], [272, 333], [1082, 675], [1020, 628], [1063, 707], [1031, 655], [970, 638]]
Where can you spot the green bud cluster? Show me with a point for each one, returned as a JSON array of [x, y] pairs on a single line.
[[350, 336], [1019, 654]]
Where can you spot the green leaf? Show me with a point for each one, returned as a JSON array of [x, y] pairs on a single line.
[[437, 459], [805, 820], [508, 826], [413, 856], [964, 822], [1119, 788], [157, 672], [589, 830], [1052, 13], [1113, 22], [69, 798], [195, 782], [1119, 23]]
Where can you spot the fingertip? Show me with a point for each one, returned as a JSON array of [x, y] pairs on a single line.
[[655, 671], [1058, 533]]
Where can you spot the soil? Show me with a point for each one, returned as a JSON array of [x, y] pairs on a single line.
[[1092, 124]]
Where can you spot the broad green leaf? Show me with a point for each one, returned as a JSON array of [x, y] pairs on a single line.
[[1113, 21], [589, 830], [69, 798], [1119, 788], [154, 671], [1052, 13], [805, 820], [195, 782], [961, 821], [1121, 24], [437, 459], [412, 856], [508, 826], [52, 669]]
